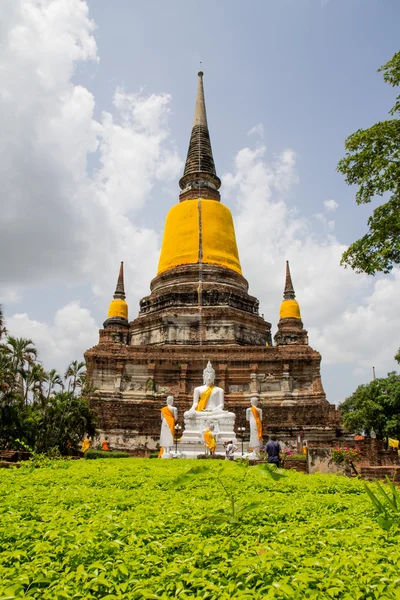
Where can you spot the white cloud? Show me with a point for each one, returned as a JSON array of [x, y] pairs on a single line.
[[72, 332], [257, 130], [58, 221], [330, 205], [10, 294]]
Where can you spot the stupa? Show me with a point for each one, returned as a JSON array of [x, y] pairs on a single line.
[[199, 309]]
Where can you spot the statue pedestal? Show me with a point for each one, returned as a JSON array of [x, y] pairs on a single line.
[[192, 445]]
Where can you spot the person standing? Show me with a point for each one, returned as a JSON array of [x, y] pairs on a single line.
[[273, 449]]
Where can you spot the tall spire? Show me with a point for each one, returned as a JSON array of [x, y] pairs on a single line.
[[200, 115], [120, 289], [199, 177], [288, 293]]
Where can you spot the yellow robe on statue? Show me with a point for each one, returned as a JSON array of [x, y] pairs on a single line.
[[169, 417], [86, 444], [393, 443], [210, 440], [258, 421], [204, 398]]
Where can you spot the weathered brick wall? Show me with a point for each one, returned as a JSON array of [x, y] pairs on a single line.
[[143, 418], [134, 381], [372, 452], [381, 473], [296, 465]]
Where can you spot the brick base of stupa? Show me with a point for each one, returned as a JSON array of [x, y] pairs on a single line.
[[133, 382]]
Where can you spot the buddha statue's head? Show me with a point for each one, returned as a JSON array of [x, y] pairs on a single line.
[[170, 400], [208, 375], [254, 401]]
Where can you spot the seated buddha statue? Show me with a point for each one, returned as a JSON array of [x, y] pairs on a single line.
[[208, 398]]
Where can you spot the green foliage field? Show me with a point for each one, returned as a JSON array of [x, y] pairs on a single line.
[[122, 529]]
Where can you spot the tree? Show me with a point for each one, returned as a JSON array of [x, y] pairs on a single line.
[[22, 352], [75, 372], [375, 405], [53, 379], [31, 410], [2, 323], [372, 162], [64, 423]]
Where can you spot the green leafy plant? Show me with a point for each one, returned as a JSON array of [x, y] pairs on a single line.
[[232, 490], [346, 457], [387, 504], [118, 530]]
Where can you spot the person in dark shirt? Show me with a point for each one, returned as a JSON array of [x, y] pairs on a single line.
[[273, 450]]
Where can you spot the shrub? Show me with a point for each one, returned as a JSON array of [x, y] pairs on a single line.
[[92, 454], [345, 455], [121, 530]]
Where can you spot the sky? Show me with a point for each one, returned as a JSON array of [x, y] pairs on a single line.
[[96, 109]]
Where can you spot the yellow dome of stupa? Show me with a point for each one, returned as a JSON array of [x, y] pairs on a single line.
[[118, 307], [290, 309], [199, 229]]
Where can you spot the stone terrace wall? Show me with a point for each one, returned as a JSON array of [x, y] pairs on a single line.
[[372, 473], [372, 451]]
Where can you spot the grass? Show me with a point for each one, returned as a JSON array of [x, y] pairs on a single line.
[[125, 529]]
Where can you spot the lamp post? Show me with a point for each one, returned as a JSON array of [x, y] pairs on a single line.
[[241, 431], [177, 430]]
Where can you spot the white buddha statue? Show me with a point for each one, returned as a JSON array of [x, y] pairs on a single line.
[[254, 417], [207, 397], [169, 416], [206, 414]]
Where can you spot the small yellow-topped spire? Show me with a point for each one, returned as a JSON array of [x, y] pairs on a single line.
[[289, 308], [118, 307]]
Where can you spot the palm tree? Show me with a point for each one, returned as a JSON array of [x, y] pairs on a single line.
[[53, 379], [2, 322], [23, 354], [75, 371], [22, 351], [34, 381], [7, 375]]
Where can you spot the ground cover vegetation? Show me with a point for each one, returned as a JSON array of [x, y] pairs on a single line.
[[372, 163], [39, 410], [141, 528]]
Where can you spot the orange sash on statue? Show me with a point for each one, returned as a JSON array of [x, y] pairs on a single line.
[[203, 400], [210, 440], [258, 421], [169, 417]]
